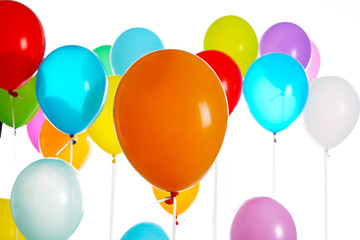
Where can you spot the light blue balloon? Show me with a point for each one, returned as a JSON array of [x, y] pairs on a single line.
[[276, 89], [132, 45], [46, 200], [145, 231], [71, 88]]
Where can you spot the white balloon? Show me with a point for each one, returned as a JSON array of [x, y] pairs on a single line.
[[331, 111]]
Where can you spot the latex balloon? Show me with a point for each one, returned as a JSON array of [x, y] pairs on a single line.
[[22, 44], [170, 116], [145, 231], [332, 111], [34, 127], [288, 38], [102, 131], [235, 37], [103, 53], [130, 46], [183, 201], [46, 200], [228, 73], [263, 218], [276, 90], [71, 88], [7, 224], [25, 105], [51, 141], [313, 67]]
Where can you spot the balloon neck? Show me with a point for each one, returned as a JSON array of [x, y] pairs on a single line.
[[12, 93], [73, 142], [275, 138], [172, 195], [114, 159]]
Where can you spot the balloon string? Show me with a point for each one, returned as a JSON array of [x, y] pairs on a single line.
[[13, 114], [326, 156], [215, 217], [159, 201], [63, 147], [112, 197], [274, 167], [71, 149], [174, 219], [17, 233]]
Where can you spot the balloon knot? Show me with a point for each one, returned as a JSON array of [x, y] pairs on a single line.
[[172, 195], [177, 223], [114, 159], [275, 138], [12, 93], [73, 142]]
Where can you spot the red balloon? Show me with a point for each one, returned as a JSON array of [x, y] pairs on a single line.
[[228, 72], [22, 44]]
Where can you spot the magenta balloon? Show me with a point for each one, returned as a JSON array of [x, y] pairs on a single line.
[[34, 127], [313, 68], [263, 218], [288, 38]]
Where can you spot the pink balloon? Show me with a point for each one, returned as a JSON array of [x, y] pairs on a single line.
[[313, 68], [34, 127], [263, 218]]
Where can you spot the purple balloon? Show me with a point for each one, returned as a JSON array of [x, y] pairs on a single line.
[[263, 218], [288, 38]]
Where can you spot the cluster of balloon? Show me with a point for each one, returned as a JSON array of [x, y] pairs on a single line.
[[46, 200], [53, 143], [235, 37], [145, 231], [33, 128], [276, 90], [262, 218], [7, 224], [171, 106], [183, 201], [332, 111], [228, 72]]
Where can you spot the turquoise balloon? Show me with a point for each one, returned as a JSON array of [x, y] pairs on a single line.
[[71, 88], [276, 89], [103, 52], [132, 45], [145, 231], [46, 200]]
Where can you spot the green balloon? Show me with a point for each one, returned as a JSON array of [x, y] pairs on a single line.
[[103, 53], [25, 105]]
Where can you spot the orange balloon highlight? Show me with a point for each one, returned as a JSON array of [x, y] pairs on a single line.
[[51, 141], [170, 115], [183, 200]]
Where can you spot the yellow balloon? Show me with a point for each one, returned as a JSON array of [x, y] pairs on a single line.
[[183, 200], [102, 131], [235, 37], [7, 224]]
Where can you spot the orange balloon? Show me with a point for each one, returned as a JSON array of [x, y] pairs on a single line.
[[170, 115], [51, 141], [183, 200]]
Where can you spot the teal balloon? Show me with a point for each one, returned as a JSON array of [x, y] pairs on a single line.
[[24, 106], [145, 231], [103, 52], [46, 200], [71, 88], [276, 89], [132, 45]]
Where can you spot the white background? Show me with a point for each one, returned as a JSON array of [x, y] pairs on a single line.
[[245, 160]]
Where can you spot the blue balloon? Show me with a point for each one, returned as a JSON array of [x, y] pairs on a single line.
[[145, 231], [71, 88], [276, 89], [132, 45], [46, 200]]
